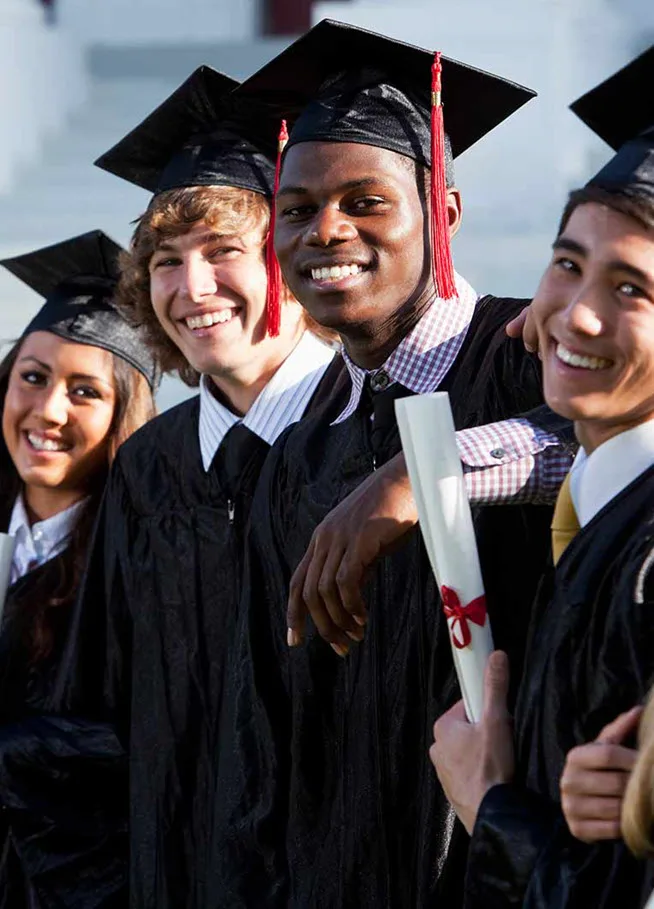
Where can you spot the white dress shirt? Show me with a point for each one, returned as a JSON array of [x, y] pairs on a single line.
[[41, 541], [282, 401], [597, 478]]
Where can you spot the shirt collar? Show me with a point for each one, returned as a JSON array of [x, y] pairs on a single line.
[[597, 478], [280, 403], [43, 540], [422, 359]]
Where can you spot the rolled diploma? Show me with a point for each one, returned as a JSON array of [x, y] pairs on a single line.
[[7, 544], [429, 443]]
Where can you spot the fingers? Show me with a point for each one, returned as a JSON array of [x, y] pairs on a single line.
[[599, 757], [515, 326], [496, 686], [591, 784], [314, 590], [594, 830], [296, 612], [622, 726]]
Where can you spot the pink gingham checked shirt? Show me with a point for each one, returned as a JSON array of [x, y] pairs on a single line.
[[507, 461]]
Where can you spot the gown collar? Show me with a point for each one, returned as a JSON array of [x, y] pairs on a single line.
[[282, 401]]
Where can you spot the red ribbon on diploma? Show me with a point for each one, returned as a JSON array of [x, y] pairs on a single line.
[[475, 612]]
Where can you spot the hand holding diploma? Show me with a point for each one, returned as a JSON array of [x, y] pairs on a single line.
[[429, 443]]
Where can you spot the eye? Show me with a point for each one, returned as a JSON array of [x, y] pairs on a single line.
[[565, 264], [34, 377], [221, 251], [366, 203], [632, 291], [85, 392], [168, 262], [298, 212]]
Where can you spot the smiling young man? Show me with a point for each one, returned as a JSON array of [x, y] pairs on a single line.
[[592, 640], [157, 613], [330, 799]]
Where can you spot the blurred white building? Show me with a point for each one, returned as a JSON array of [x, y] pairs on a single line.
[[69, 91]]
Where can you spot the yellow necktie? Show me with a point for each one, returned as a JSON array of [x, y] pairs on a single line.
[[565, 523]]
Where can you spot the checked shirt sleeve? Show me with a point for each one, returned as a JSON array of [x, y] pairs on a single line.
[[511, 462]]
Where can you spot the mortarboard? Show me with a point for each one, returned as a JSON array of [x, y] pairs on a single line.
[[78, 279], [621, 111], [339, 83], [197, 137]]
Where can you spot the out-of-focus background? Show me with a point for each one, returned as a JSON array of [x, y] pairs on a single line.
[[76, 75]]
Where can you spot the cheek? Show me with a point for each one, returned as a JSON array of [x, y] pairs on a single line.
[[93, 428], [160, 291], [13, 410]]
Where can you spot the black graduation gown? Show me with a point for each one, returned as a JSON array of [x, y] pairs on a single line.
[[330, 798], [155, 623], [590, 657], [60, 839]]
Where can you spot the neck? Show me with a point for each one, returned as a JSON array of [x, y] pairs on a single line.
[[42, 503], [239, 392], [370, 345], [593, 433]]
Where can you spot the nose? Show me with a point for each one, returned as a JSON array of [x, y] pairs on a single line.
[[328, 227], [583, 314], [54, 405], [197, 278]]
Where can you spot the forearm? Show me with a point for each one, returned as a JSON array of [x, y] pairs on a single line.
[[516, 461]]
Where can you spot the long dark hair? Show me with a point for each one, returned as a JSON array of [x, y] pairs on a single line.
[[40, 612]]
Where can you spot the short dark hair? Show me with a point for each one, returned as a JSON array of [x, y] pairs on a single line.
[[623, 201]]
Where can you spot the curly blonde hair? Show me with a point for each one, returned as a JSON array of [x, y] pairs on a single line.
[[171, 214]]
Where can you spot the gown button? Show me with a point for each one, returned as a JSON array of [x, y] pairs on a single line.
[[379, 381]]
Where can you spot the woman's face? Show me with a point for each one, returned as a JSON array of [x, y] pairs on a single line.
[[57, 414]]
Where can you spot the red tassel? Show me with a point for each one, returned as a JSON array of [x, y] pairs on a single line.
[[442, 267], [275, 280]]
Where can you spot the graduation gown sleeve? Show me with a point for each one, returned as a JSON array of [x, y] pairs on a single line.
[[522, 853]]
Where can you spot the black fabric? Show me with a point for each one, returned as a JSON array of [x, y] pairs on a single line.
[[329, 796], [340, 83], [62, 839], [78, 279], [153, 629], [621, 111], [590, 657], [196, 138]]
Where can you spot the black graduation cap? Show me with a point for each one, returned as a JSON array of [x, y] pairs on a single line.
[[621, 111], [78, 279], [195, 138], [340, 83]]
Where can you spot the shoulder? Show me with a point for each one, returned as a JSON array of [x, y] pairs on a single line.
[[164, 435], [151, 462]]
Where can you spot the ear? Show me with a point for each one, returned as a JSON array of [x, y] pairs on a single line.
[[454, 210]]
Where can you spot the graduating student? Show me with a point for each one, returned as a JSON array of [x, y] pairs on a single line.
[[164, 578], [73, 389], [591, 645], [329, 797]]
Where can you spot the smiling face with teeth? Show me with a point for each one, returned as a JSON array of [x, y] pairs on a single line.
[[353, 242], [57, 418], [594, 312], [208, 292]]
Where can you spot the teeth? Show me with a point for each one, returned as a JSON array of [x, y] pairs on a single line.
[[335, 272], [581, 362], [208, 319], [42, 444]]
